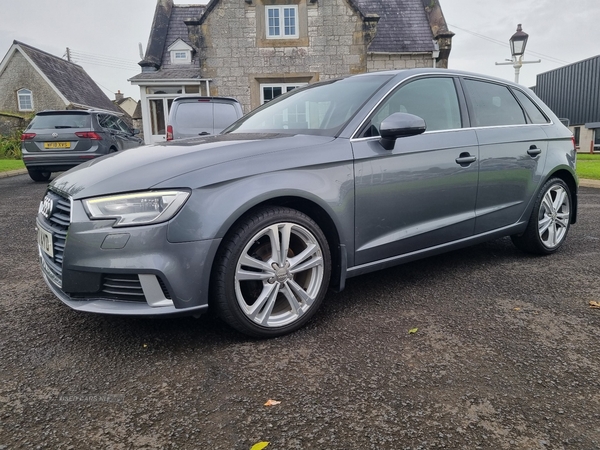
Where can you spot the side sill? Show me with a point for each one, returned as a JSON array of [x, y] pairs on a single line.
[[439, 249]]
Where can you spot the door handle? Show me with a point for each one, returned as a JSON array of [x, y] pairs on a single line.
[[534, 151], [465, 159]]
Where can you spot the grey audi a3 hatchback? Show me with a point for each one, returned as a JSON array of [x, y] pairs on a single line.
[[329, 181]]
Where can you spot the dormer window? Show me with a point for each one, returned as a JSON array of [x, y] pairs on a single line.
[[282, 22], [25, 98], [181, 53]]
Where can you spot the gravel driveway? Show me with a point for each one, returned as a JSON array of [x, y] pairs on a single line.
[[506, 356]]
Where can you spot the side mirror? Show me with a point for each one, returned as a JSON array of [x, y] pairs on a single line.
[[399, 125], [135, 131]]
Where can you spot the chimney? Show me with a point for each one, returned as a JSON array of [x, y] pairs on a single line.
[[118, 96]]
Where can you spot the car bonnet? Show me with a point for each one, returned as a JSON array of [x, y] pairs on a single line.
[[145, 167]]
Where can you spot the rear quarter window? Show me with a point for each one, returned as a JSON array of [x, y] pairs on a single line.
[[492, 104], [60, 121], [535, 115]]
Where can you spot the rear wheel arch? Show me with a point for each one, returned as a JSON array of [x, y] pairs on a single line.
[[549, 221], [569, 180]]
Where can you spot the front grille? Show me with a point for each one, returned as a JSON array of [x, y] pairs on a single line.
[[57, 222], [124, 287]]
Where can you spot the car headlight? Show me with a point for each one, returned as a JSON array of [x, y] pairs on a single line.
[[139, 208]]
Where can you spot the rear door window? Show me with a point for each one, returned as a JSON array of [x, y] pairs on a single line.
[[492, 104], [108, 121]]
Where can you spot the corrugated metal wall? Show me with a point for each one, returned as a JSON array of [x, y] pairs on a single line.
[[573, 91]]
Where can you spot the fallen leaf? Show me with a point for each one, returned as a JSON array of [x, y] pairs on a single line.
[[413, 330], [145, 345], [272, 402], [517, 309], [594, 304], [259, 445]]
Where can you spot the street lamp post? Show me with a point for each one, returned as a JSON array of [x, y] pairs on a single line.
[[518, 42]]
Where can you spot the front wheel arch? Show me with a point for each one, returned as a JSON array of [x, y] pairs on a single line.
[[322, 218], [271, 272]]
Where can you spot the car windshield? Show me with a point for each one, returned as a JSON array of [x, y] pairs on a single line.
[[320, 109], [58, 121]]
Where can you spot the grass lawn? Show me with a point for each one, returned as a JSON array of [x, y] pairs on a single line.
[[11, 164], [588, 165]]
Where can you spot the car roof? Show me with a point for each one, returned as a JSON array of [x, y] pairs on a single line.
[[406, 73], [76, 111], [203, 97]]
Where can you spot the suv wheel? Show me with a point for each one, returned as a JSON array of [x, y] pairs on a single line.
[[39, 175]]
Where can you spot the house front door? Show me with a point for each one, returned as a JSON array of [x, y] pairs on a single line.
[[159, 114]]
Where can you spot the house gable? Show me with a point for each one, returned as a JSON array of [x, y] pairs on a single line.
[[70, 83], [17, 72]]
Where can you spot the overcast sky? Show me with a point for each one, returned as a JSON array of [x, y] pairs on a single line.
[[103, 35]]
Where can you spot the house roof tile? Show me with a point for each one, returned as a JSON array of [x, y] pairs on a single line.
[[168, 74], [168, 26], [178, 28], [69, 79], [403, 26]]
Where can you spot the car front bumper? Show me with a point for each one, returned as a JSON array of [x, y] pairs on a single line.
[[126, 271]]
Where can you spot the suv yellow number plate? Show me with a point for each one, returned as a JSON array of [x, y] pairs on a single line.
[[57, 145]]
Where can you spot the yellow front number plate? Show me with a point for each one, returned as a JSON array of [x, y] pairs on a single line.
[[45, 242], [57, 145]]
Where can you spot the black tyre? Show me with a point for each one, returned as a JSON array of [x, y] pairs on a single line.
[[549, 222], [271, 273], [39, 175]]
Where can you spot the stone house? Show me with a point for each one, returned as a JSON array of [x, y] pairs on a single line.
[[255, 50], [32, 80]]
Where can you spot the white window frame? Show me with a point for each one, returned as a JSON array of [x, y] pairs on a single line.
[[177, 58], [281, 22], [284, 88], [23, 94], [180, 52]]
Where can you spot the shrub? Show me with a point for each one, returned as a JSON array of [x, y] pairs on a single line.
[[10, 146]]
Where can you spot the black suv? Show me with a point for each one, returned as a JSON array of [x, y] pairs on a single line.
[[56, 141]]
